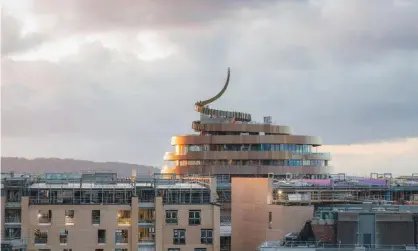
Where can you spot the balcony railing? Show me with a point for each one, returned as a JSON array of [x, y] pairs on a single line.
[[12, 204], [14, 243], [146, 239], [121, 240], [101, 240], [146, 221], [76, 200], [12, 219]]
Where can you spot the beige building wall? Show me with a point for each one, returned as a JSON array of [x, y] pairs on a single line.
[[83, 234], [250, 214], [209, 220]]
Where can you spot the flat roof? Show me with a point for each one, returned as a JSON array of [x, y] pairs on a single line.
[[86, 185]]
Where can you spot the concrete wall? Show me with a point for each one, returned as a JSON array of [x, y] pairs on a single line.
[[287, 219], [394, 229], [386, 229], [250, 214]]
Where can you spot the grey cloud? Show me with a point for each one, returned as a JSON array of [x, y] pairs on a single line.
[[88, 15], [317, 67], [11, 38]]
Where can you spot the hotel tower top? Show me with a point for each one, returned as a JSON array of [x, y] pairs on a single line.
[[230, 142]]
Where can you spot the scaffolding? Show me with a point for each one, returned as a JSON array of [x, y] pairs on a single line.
[[107, 188]]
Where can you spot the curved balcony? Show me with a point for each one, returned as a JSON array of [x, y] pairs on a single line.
[[245, 139], [244, 155], [241, 127], [252, 170]]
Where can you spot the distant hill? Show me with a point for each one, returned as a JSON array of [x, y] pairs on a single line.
[[51, 165]]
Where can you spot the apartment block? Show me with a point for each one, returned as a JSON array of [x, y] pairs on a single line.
[[101, 212]]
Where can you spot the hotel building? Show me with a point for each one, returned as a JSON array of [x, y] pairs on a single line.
[[231, 143]]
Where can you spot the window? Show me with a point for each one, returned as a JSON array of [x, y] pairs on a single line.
[[121, 236], [63, 236], [270, 219], [69, 217], [101, 236], [44, 216], [67, 249], [41, 236], [124, 217], [146, 215], [95, 217], [121, 249], [174, 249], [206, 236], [98, 249], [146, 235], [194, 217], [171, 217], [179, 236], [200, 249]]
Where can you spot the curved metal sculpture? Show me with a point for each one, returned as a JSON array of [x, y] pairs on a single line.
[[201, 104], [201, 107]]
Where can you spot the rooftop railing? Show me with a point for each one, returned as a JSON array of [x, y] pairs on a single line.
[[270, 245]]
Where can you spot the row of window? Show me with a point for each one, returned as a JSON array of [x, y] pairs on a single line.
[[171, 217], [178, 249], [179, 236], [295, 148], [122, 236], [123, 216], [288, 162]]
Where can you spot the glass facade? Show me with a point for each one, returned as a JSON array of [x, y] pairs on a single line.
[[289, 162], [294, 148]]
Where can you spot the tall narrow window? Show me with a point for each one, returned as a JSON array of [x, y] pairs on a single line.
[[101, 236], [63, 236], [206, 236], [179, 236], [69, 217], [95, 217], [121, 236], [194, 217], [270, 219]]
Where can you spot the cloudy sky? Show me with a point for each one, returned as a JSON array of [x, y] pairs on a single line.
[[114, 80]]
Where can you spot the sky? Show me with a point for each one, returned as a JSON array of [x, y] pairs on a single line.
[[114, 80]]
